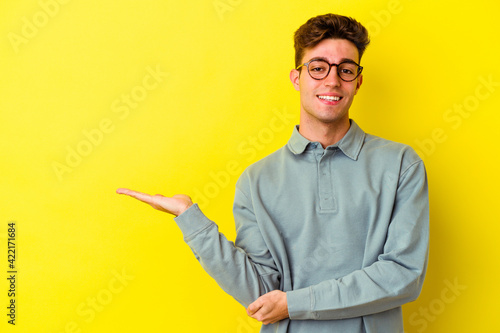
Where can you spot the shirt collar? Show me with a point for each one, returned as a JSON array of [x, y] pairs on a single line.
[[350, 144]]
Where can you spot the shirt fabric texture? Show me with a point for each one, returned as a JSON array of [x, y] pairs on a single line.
[[344, 231]]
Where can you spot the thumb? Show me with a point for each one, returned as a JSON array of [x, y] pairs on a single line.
[[254, 307]]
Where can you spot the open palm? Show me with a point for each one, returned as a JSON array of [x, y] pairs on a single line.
[[175, 205]]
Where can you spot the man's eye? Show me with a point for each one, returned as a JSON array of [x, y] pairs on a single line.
[[317, 69], [346, 71]]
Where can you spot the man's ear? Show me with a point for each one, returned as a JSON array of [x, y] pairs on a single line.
[[358, 84], [294, 77]]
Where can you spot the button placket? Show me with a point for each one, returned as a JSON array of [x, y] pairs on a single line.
[[325, 184]]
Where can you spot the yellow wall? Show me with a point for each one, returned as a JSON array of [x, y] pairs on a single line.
[[180, 96]]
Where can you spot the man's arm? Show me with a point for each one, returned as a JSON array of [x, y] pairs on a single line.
[[243, 275], [396, 278]]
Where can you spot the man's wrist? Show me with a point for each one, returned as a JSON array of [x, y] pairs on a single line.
[[299, 304], [192, 220], [182, 210]]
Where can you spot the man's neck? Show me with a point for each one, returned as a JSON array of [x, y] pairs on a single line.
[[326, 134]]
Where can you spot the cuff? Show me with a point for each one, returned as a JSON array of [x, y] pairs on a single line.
[[300, 304], [192, 221]]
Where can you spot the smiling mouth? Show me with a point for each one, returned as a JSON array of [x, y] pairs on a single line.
[[330, 98]]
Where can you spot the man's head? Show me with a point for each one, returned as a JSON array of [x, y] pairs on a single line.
[[327, 26], [332, 46]]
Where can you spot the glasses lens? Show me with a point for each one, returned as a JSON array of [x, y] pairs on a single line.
[[318, 69], [348, 71]]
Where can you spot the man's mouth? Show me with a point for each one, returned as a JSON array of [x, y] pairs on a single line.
[[330, 98]]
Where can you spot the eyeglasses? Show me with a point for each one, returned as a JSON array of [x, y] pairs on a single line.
[[347, 70]]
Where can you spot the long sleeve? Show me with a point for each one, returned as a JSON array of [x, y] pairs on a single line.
[[243, 275], [394, 279], [343, 230]]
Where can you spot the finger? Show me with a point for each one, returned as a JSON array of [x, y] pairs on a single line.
[[144, 197], [263, 315], [123, 190], [254, 307]]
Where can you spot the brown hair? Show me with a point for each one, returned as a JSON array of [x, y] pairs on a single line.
[[329, 26]]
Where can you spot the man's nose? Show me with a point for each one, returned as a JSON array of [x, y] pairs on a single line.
[[333, 78]]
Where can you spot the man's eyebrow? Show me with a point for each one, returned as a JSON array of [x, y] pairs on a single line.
[[341, 60], [318, 58], [348, 60]]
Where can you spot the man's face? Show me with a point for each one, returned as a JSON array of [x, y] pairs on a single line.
[[316, 102]]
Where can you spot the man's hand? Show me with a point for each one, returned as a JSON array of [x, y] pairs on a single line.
[[175, 205], [269, 308]]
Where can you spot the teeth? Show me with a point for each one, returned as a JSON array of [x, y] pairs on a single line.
[[329, 98]]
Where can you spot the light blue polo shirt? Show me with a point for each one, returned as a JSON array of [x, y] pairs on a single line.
[[344, 231]]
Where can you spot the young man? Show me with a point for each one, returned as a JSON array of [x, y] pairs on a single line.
[[332, 229]]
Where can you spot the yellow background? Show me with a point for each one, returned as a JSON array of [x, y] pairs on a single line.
[[220, 101]]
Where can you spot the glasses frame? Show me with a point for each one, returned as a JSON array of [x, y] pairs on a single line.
[[360, 69]]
